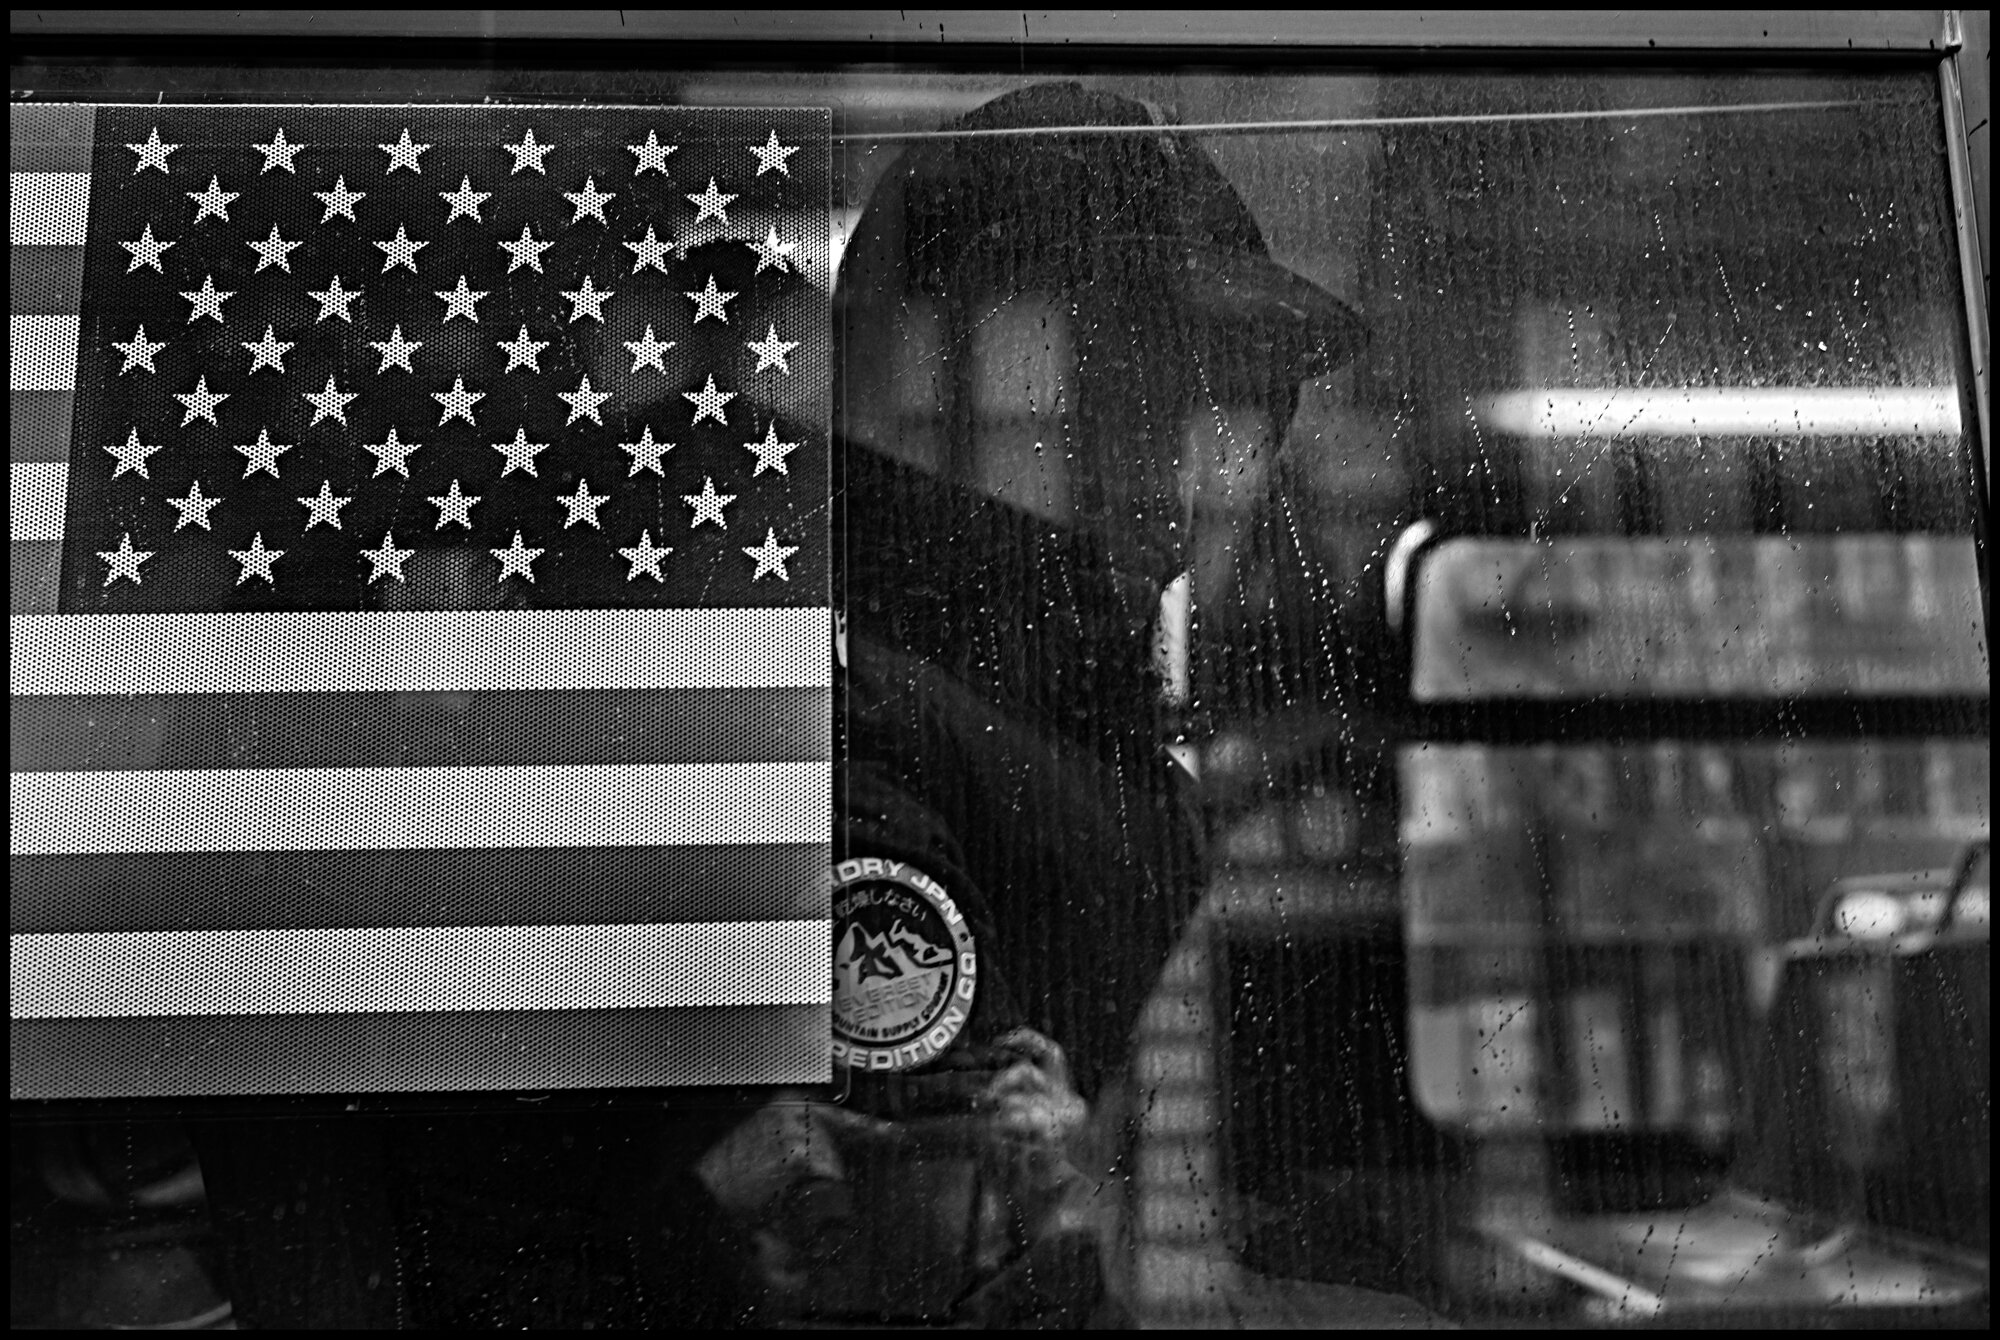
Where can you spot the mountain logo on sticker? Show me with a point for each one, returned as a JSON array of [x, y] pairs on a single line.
[[905, 967]]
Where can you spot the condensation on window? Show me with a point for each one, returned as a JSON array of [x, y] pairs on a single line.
[[1507, 1003]]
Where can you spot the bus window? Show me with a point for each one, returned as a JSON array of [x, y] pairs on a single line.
[[1419, 629]]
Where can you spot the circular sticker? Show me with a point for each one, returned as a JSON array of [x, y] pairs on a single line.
[[904, 966]]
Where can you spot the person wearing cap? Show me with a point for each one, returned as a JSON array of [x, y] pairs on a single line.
[[1068, 360]]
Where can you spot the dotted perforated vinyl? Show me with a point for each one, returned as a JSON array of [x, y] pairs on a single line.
[[317, 791], [125, 974], [48, 208], [250, 810], [424, 651], [378, 1053], [43, 352]]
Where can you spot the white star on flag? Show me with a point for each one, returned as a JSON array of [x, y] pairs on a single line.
[[772, 352], [582, 505], [708, 402], [262, 454], [139, 351], [644, 557], [153, 153], [583, 402], [587, 301], [201, 402], [395, 351], [771, 452], [392, 453], [515, 560], [324, 507], [589, 202], [771, 156], [340, 201], [146, 251], [465, 201], [212, 203], [279, 153], [400, 250], [522, 352], [649, 251], [528, 154], [334, 300], [710, 301], [386, 559], [527, 251], [462, 301], [330, 403], [132, 455], [194, 508], [652, 155], [124, 561], [273, 250], [646, 453], [708, 504], [711, 203], [268, 352], [457, 402], [649, 352], [771, 556], [208, 301], [403, 154], [520, 453], [454, 508], [257, 560], [773, 254]]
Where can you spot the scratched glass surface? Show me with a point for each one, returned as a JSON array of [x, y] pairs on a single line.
[[1552, 958]]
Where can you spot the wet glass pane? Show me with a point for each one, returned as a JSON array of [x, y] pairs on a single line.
[[1757, 618], [1409, 732]]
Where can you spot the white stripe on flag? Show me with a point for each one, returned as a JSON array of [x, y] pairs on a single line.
[[47, 209], [37, 492], [417, 808], [377, 970], [41, 352], [414, 651]]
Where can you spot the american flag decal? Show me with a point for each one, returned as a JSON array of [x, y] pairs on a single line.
[[420, 620]]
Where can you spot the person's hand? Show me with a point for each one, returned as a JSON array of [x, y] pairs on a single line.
[[1031, 1098], [852, 1215]]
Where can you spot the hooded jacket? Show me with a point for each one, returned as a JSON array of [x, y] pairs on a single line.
[[997, 726]]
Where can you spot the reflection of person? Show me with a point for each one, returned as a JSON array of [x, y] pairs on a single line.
[[1069, 360]]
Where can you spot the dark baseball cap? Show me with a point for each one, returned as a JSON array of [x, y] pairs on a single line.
[[1058, 186]]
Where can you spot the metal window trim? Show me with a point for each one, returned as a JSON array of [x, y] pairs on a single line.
[[1967, 111], [1371, 32]]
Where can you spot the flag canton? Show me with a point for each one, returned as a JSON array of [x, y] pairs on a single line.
[[443, 357]]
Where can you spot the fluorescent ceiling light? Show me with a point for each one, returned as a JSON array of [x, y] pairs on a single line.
[[1816, 411]]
